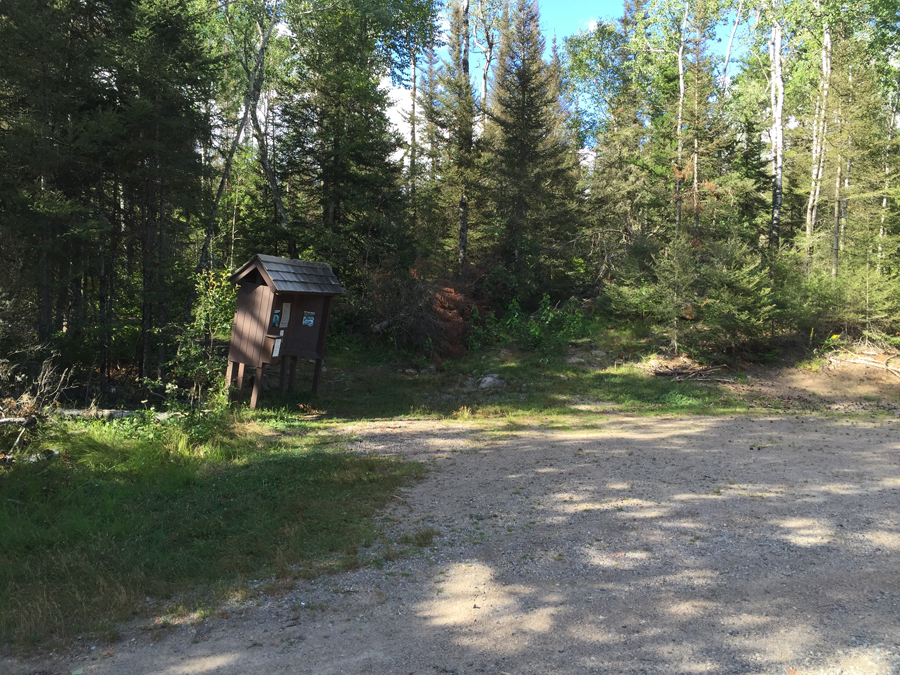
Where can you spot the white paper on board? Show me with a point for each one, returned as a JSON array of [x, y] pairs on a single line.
[[276, 350], [285, 314]]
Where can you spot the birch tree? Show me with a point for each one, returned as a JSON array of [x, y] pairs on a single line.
[[776, 89], [820, 130]]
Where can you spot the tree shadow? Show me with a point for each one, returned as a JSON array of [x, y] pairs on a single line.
[[724, 545], [529, 385]]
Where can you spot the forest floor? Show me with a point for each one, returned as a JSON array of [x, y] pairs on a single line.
[[765, 541]]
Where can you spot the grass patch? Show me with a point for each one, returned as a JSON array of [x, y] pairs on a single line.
[[535, 383], [421, 538], [127, 513]]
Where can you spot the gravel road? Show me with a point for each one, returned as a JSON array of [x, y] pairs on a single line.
[[631, 545]]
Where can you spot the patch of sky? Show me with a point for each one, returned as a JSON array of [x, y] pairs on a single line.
[[561, 19]]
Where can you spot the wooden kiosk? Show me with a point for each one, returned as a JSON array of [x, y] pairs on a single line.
[[283, 307]]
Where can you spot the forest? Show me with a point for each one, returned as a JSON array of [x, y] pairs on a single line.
[[615, 233], [721, 173]]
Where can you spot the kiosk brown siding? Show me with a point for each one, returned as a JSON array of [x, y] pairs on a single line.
[[283, 308], [248, 336]]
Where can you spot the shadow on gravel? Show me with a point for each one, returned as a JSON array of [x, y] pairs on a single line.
[[693, 545]]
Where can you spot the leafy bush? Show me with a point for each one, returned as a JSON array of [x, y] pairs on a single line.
[[197, 360], [546, 329]]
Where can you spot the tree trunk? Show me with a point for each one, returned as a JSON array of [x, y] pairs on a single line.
[[737, 21], [679, 158], [777, 134], [413, 148], [887, 183], [463, 198], [271, 177], [160, 289], [148, 283], [836, 235], [820, 128], [463, 232], [844, 201], [251, 101], [485, 73], [103, 290], [695, 187], [464, 10]]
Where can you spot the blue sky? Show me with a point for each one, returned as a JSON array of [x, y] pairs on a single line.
[[564, 17]]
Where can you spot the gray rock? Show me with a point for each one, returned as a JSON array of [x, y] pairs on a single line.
[[490, 381]]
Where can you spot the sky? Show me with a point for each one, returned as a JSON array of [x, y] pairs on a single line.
[[564, 17], [558, 17]]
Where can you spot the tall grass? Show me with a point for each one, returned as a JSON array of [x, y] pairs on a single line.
[[126, 513]]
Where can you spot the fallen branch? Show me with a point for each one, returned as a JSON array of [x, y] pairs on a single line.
[[867, 363], [383, 326], [21, 421], [685, 373]]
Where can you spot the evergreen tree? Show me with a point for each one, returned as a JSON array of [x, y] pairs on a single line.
[[532, 167], [457, 105], [102, 123], [339, 144]]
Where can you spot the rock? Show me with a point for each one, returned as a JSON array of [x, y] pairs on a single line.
[[574, 360], [598, 352], [490, 381], [469, 384]]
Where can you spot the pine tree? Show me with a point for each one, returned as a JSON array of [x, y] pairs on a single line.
[[532, 167], [457, 101]]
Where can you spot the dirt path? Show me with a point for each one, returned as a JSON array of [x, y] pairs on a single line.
[[689, 545]]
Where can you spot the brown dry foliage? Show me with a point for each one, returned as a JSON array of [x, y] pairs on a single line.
[[420, 314]]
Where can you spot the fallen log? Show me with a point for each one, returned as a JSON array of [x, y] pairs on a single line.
[[111, 414]]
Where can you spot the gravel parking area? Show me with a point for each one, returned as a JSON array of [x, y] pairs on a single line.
[[628, 545]]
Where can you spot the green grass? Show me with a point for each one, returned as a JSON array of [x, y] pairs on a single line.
[[122, 516], [544, 384]]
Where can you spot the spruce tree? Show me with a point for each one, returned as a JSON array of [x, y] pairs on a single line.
[[532, 168], [339, 145], [457, 118]]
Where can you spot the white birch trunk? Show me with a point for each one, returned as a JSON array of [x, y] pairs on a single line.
[[679, 159], [820, 129], [777, 132], [737, 21]]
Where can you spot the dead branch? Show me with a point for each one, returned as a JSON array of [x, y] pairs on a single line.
[[383, 326], [21, 421], [869, 363]]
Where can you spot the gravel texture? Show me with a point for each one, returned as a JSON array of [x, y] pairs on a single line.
[[633, 545]]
